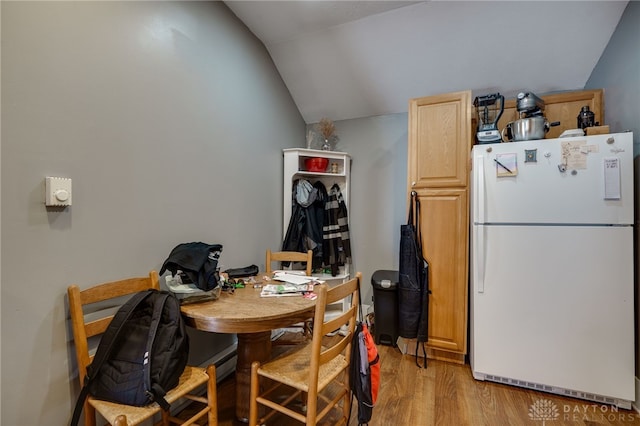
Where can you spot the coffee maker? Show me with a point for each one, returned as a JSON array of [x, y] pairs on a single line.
[[489, 109]]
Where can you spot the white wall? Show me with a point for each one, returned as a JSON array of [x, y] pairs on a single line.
[[170, 118]]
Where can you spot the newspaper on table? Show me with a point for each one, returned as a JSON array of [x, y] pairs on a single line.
[[286, 289], [292, 285], [292, 278]]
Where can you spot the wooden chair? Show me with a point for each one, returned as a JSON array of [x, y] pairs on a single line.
[[89, 320], [310, 369], [289, 256]]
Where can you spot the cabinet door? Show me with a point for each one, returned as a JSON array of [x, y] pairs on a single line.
[[444, 228], [563, 107], [439, 140]]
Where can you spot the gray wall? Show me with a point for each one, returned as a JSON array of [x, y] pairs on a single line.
[[170, 118], [618, 71], [378, 146]]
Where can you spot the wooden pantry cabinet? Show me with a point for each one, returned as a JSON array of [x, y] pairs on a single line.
[[441, 135], [440, 139]]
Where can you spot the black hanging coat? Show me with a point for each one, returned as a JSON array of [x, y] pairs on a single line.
[[307, 217]]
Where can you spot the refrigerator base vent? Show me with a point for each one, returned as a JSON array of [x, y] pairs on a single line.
[[621, 403]]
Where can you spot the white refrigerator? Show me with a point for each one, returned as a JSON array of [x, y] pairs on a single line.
[[552, 291]]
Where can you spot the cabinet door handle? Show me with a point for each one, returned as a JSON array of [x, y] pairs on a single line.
[[413, 183]]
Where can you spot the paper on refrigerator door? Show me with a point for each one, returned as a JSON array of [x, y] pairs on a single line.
[[611, 178], [506, 164], [574, 154]]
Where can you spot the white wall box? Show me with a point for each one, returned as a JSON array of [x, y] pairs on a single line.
[[57, 191]]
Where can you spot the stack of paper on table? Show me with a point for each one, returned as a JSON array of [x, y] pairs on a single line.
[[293, 284], [290, 278]]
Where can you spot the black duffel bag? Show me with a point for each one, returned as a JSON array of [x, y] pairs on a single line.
[[198, 261], [247, 271]]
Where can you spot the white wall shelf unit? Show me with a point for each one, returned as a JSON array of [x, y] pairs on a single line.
[[294, 168]]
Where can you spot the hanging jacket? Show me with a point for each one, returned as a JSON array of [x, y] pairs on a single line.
[[294, 238], [307, 214], [337, 245], [315, 225]]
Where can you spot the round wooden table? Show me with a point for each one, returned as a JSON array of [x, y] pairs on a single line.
[[252, 318]]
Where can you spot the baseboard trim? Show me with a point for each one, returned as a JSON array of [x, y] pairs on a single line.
[[225, 362], [408, 346], [441, 355]]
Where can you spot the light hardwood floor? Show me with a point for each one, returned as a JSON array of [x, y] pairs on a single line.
[[447, 394]]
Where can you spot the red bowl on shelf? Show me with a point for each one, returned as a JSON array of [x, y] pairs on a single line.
[[316, 164]]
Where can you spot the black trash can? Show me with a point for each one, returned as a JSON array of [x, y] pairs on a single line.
[[385, 307]]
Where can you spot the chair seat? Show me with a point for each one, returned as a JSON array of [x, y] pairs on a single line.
[[191, 378], [292, 368]]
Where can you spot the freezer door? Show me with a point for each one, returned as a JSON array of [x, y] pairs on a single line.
[[555, 308], [556, 181]]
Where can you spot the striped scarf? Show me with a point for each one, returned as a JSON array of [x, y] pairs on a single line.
[[336, 244]]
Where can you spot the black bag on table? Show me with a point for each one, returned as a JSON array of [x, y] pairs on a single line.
[[247, 271], [413, 282], [198, 262]]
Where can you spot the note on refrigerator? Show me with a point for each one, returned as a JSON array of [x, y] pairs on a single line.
[[574, 156], [506, 164], [611, 178]]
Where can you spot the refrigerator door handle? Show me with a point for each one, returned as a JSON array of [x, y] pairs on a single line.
[[479, 192], [479, 261], [478, 225]]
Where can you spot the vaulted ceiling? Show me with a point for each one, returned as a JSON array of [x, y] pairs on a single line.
[[351, 59]]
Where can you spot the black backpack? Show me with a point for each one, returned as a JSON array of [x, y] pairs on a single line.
[[141, 355]]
